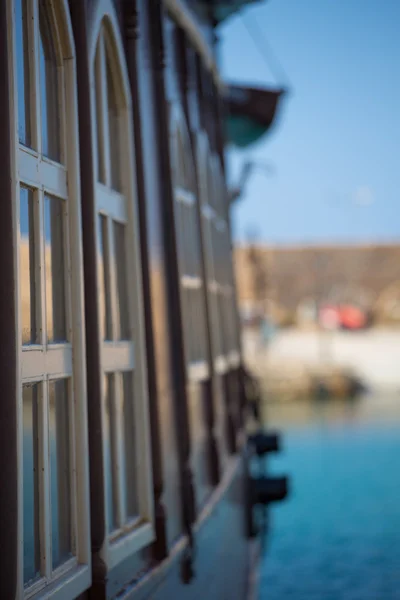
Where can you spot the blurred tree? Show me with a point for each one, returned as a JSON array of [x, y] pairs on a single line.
[[258, 271]]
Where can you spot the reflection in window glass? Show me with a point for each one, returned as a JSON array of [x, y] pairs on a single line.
[[130, 451], [114, 132], [31, 482], [104, 279], [110, 442], [49, 88], [55, 269], [180, 235], [120, 268], [181, 176], [60, 472], [23, 81], [28, 268], [101, 171]]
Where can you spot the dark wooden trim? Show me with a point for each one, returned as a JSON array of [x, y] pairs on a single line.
[[79, 12], [178, 363], [160, 548], [214, 462], [8, 342], [213, 459]]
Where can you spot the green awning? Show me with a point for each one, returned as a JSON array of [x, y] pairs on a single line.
[[243, 131], [250, 113]]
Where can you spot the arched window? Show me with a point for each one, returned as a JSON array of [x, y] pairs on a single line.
[[54, 504], [189, 248], [125, 426]]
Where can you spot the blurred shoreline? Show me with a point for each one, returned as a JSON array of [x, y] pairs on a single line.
[[294, 360]]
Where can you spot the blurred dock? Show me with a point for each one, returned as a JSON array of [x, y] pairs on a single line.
[[293, 358]]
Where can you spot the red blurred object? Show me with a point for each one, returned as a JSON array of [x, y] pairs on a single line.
[[329, 317], [345, 316], [352, 317]]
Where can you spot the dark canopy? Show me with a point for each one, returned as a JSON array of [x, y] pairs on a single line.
[[250, 113], [220, 9]]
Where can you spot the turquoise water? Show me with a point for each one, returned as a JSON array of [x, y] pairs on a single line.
[[338, 536]]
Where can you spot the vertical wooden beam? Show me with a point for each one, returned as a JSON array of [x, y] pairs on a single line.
[[178, 363], [8, 342], [220, 113], [213, 459], [160, 549], [79, 18]]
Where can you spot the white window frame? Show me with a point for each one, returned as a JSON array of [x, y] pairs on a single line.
[[209, 222], [126, 355], [44, 362], [186, 194], [226, 288]]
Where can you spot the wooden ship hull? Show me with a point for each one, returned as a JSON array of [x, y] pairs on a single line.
[[124, 399]]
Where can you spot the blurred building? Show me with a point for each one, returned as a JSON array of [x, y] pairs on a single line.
[[300, 278]]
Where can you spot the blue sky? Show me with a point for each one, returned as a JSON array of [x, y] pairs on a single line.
[[338, 136]]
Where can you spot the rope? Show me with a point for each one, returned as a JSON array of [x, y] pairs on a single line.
[[267, 54]]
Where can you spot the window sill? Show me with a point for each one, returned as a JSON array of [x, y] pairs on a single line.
[[70, 586], [128, 544]]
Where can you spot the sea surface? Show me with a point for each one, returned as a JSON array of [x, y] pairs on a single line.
[[338, 535]]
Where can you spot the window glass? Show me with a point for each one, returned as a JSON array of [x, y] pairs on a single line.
[[55, 269], [114, 131], [105, 279], [31, 471], [122, 317], [130, 451], [60, 471], [101, 169], [23, 78], [28, 273], [110, 442], [49, 87]]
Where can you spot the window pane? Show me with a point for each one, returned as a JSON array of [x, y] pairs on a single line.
[[49, 87], [104, 279], [100, 134], [186, 317], [29, 289], [23, 80], [31, 482], [180, 231], [181, 178], [114, 132], [122, 290], [110, 453], [60, 471], [132, 508], [55, 269]]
